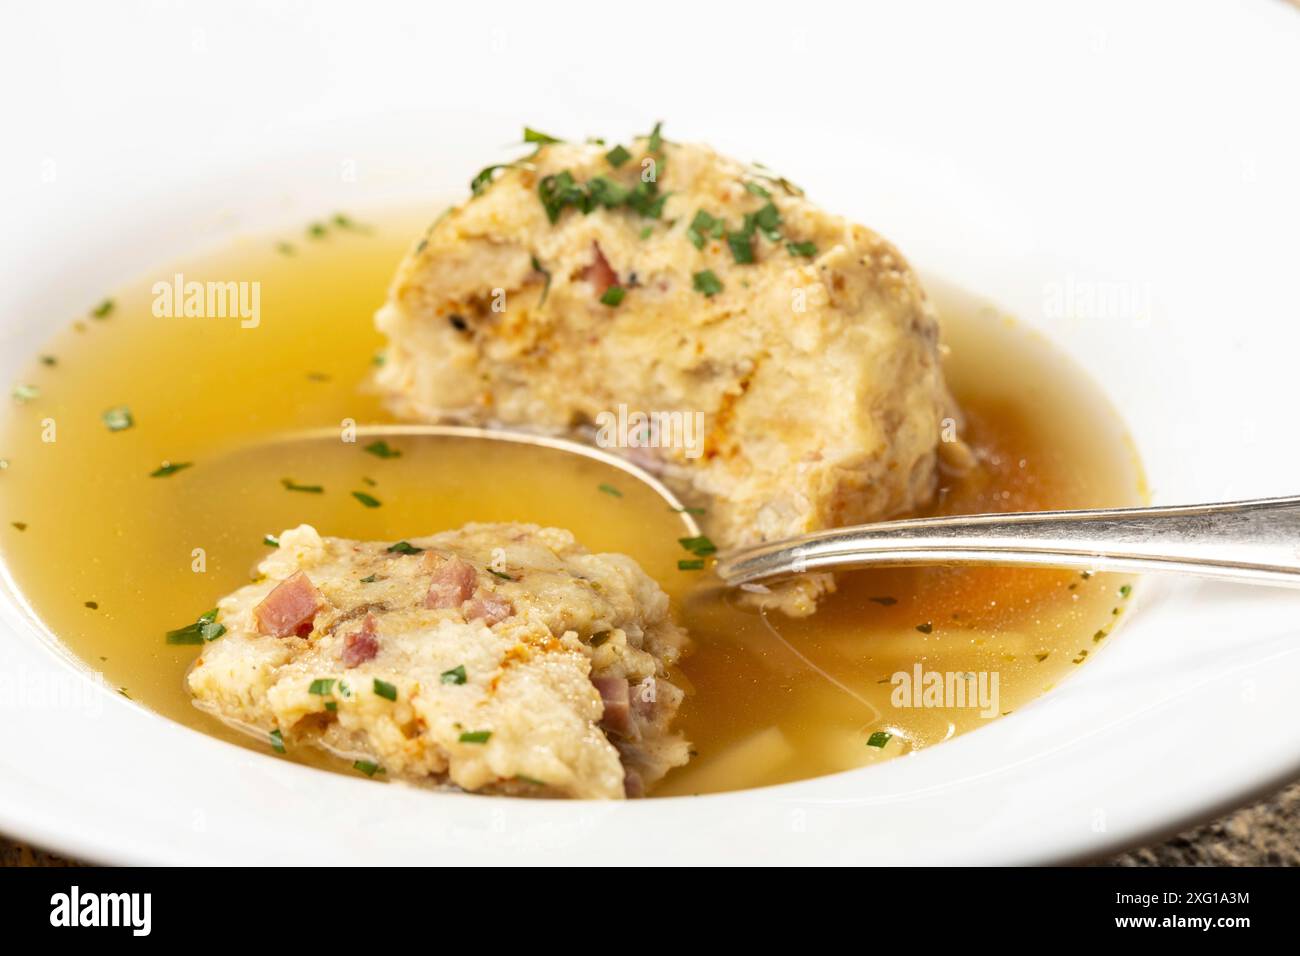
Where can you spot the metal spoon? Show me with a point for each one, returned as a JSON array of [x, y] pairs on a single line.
[[1254, 541]]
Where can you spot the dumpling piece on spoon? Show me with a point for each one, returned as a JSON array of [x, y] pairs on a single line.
[[501, 658], [588, 283]]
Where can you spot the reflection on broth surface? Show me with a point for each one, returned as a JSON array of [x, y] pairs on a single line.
[[112, 550]]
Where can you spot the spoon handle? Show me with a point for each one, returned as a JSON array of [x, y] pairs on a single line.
[[1254, 541]]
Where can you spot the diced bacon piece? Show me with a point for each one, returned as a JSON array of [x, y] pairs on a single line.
[[362, 645], [488, 606], [452, 582], [290, 608], [616, 697], [599, 272]]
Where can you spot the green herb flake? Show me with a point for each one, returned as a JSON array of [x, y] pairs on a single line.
[[49, 360], [277, 740], [1125, 590], [202, 630], [613, 295], [403, 547], [22, 394], [270, 540], [655, 142], [925, 628], [370, 501], [617, 156], [808, 249], [694, 564], [758, 190], [699, 546], [476, 736], [169, 468], [381, 449], [291, 485], [385, 690], [885, 601], [534, 136], [610, 489], [368, 767], [370, 579], [546, 288], [605, 192], [456, 675], [500, 574], [879, 739], [647, 232], [483, 179], [317, 230], [118, 418], [322, 686], [104, 309], [768, 219], [742, 249], [707, 283]]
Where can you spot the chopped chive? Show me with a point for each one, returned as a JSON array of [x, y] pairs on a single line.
[[617, 156], [368, 767], [879, 739], [168, 468], [742, 248], [475, 736], [277, 740], [613, 295], [610, 489], [501, 574], [211, 630], [655, 141], [546, 288], [381, 449], [291, 485], [456, 675], [925, 628], [533, 136], [104, 309], [370, 501], [808, 249], [385, 689], [758, 190], [322, 686], [270, 540], [370, 579], [118, 418], [185, 635], [403, 547], [699, 546], [694, 564], [707, 282]]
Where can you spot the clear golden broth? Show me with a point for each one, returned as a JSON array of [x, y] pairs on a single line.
[[773, 699]]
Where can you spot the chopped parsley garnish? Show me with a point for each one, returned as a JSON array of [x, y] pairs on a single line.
[[702, 226], [204, 629], [699, 546], [277, 740], [742, 248], [647, 232], [317, 230], [1125, 590], [348, 223], [808, 249], [500, 574], [694, 564], [605, 192], [925, 628], [322, 686], [104, 309], [403, 547], [655, 142], [768, 219], [368, 767], [484, 178], [617, 156], [385, 690], [270, 540], [610, 489], [456, 675], [707, 282], [49, 360], [559, 191], [533, 136], [370, 501], [381, 449], [758, 190], [476, 736], [370, 579], [613, 295], [118, 418], [546, 289], [879, 739], [291, 485], [169, 468]]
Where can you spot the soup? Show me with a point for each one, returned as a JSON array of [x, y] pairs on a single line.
[[148, 457]]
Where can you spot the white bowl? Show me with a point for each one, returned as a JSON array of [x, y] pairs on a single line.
[[1145, 156]]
